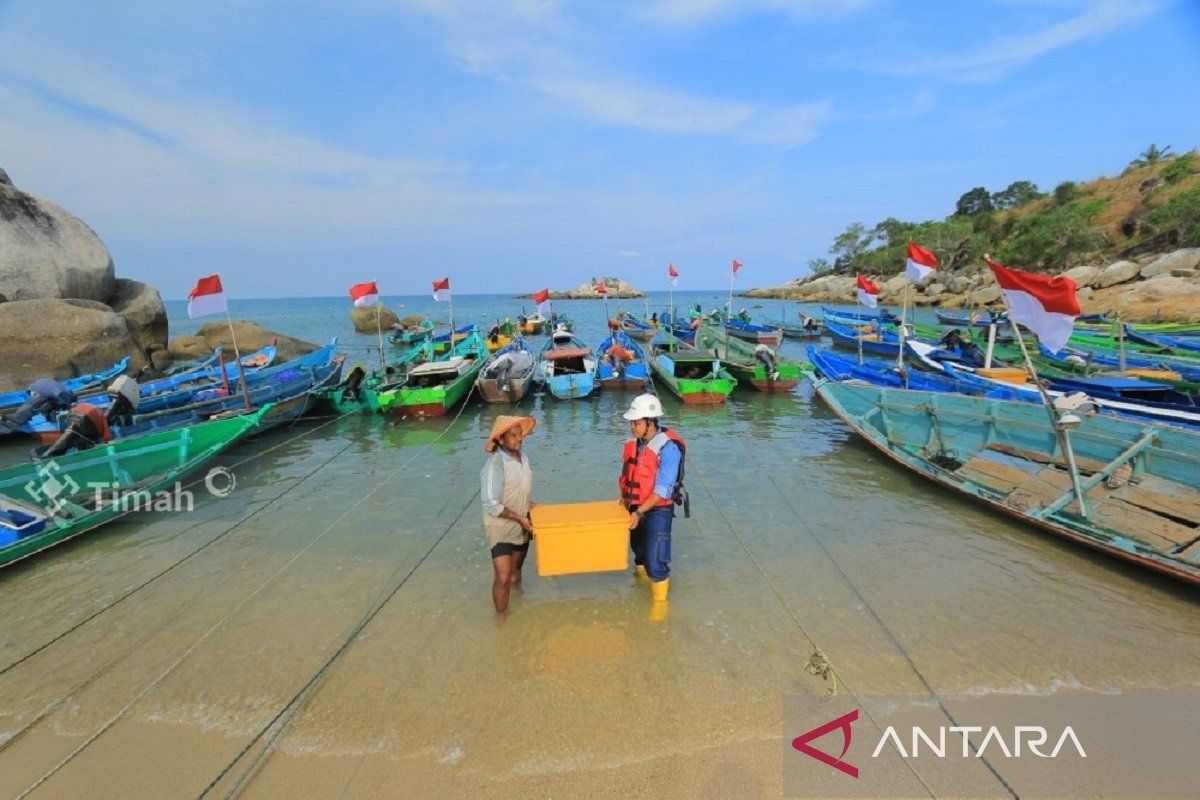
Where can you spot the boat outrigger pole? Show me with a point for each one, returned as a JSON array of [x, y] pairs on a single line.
[[1060, 426], [379, 330]]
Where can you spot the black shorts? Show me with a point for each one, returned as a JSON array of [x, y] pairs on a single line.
[[508, 549]]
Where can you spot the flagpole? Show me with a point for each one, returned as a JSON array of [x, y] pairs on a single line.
[[450, 299], [1059, 431], [238, 355], [903, 316], [379, 330]]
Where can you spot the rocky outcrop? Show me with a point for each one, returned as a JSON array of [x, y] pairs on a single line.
[[1162, 287], [142, 307], [250, 337], [51, 338], [67, 313], [369, 319], [617, 290], [46, 252]]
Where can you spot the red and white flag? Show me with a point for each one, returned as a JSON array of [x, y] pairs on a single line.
[[542, 299], [673, 274], [601, 288], [736, 266], [441, 290], [868, 292], [207, 297], [365, 294], [1047, 306], [921, 262]]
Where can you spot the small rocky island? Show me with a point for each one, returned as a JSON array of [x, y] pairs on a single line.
[[617, 290]]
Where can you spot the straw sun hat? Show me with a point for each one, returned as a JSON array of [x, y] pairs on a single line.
[[504, 423]]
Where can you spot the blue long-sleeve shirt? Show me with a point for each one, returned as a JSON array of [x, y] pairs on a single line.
[[668, 469]]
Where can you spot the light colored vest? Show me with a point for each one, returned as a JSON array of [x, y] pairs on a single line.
[[518, 488]]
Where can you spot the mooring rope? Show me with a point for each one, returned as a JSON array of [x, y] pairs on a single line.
[[108, 724]]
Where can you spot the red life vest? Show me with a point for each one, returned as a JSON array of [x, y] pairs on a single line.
[[640, 470]]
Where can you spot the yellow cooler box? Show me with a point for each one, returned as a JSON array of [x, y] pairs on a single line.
[[581, 537]]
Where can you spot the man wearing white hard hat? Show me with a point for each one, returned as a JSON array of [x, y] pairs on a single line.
[[651, 479]]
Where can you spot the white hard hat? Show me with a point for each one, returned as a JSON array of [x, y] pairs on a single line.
[[644, 406]]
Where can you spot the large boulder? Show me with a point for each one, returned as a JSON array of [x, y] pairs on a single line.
[[985, 295], [1167, 264], [188, 348], [142, 306], [1165, 298], [45, 252], [51, 338], [1116, 273], [368, 319], [1084, 275], [251, 337]]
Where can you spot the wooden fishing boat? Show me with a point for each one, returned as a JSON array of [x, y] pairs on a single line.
[[434, 387], [638, 329], [9, 401], [47, 503], [1181, 345], [531, 326], [1165, 328], [631, 374], [979, 319], [741, 359], [441, 341], [404, 337], [759, 334], [508, 374], [566, 366], [1141, 483], [883, 342], [810, 328], [884, 373], [693, 375]]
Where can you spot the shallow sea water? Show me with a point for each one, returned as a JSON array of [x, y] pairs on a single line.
[[169, 653]]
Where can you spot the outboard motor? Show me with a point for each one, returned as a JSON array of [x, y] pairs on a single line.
[[45, 398], [500, 370], [86, 427], [124, 396]]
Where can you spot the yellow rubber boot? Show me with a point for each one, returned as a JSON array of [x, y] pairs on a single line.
[[639, 572], [659, 589]]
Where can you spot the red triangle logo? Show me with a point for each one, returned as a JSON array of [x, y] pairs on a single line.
[[801, 743]]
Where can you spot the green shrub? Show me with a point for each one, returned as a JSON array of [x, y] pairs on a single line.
[[1179, 217], [1067, 192], [1054, 238], [1180, 168]]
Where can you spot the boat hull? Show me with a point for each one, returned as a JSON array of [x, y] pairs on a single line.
[[491, 392]]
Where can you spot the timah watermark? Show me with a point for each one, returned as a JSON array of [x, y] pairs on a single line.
[[56, 493], [991, 745]]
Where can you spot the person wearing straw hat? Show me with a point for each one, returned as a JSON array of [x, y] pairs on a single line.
[[651, 479], [506, 489]]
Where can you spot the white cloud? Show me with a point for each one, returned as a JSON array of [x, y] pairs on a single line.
[[685, 13], [1094, 21]]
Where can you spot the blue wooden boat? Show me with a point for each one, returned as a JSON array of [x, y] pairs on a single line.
[[636, 328], [879, 373], [677, 326], [176, 393], [80, 385], [628, 375], [1187, 368], [769, 335], [843, 317], [566, 366], [1140, 483], [884, 342], [983, 319], [1188, 346]]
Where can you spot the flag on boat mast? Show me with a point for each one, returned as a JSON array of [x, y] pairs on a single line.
[[441, 290], [736, 266], [207, 297], [542, 299], [868, 292], [673, 274], [1047, 306], [921, 262], [365, 294], [602, 289]]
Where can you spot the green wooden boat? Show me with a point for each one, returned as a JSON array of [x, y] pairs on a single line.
[[1051, 368], [45, 503], [434, 387], [694, 376], [1141, 482], [738, 356], [1166, 328]]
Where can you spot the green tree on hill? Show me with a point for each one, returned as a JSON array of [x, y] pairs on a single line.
[[1018, 193], [977, 201], [1152, 155]]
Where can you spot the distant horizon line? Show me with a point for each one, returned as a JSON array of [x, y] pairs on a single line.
[[724, 291]]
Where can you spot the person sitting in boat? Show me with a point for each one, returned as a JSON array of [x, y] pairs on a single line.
[[494, 334], [651, 484], [654, 318], [767, 357], [506, 491], [807, 322], [744, 316]]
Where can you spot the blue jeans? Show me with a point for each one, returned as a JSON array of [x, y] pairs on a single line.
[[651, 542]]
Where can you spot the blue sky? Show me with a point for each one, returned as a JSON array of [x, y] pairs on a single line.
[[298, 148]]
